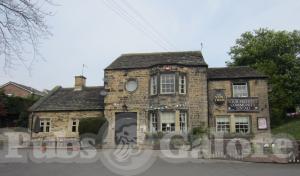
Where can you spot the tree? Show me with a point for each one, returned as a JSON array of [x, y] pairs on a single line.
[[15, 108], [22, 25], [2, 109], [276, 54]]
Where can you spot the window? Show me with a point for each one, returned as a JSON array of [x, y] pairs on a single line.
[[153, 122], [242, 125], [182, 84], [240, 89], [222, 124], [183, 121], [153, 84], [45, 125], [167, 83], [167, 121], [75, 124], [131, 85]]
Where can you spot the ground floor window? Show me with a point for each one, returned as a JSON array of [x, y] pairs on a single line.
[[242, 125], [153, 122], [45, 125], [183, 121], [222, 124], [75, 125], [167, 121]]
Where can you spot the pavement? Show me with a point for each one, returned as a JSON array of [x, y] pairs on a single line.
[[156, 165]]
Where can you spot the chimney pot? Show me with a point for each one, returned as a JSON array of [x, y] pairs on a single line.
[[79, 82]]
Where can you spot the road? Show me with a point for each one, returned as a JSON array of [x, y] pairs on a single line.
[[160, 168]]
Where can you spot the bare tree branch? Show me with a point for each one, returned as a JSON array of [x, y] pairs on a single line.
[[22, 26]]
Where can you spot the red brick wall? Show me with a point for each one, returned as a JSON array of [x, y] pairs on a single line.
[[15, 91]]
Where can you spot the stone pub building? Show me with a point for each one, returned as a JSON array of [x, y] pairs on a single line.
[[171, 92]]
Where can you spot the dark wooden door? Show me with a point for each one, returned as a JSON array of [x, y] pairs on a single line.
[[126, 128]]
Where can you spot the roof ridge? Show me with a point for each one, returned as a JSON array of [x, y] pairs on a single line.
[[148, 60], [154, 53], [230, 67], [25, 87], [84, 87]]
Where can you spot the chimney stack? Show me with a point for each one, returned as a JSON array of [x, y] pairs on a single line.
[[79, 82]]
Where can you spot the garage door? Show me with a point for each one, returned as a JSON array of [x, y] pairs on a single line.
[[125, 128]]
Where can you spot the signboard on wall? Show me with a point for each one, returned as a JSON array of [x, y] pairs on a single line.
[[262, 123], [243, 104], [219, 97]]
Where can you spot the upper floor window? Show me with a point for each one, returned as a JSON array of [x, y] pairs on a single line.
[[167, 83], [131, 85], [45, 125], [153, 88], [182, 84], [240, 89]]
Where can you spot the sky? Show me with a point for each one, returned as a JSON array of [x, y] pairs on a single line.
[[95, 32]]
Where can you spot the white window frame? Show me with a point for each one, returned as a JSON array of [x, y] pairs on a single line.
[[45, 125], [168, 121], [240, 89], [242, 123], [153, 122], [164, 82], [153, 85], [182, 84], [183, 121], [223, 124], [76, 125]]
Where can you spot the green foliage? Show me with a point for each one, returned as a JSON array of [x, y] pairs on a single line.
[[177, 141], [3, 111], [23, 119], [291, 128], [196, 133], [91, 125], [156, 135], [276, 54], [17, 107]]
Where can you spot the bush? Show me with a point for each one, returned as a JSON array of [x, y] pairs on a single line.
[[23, 119], [177, 141], [195, 134]]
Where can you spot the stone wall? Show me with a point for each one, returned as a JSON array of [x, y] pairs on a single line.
[[257, 88], [141, 102], [61, 123]]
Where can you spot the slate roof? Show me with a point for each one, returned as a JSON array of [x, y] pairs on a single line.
[[147, 60], [66, 99], [242, 72], [27, 88]]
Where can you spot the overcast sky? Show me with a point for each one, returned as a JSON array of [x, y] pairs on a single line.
[[95, 32]]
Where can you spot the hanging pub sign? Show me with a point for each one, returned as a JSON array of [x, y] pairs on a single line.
[[219, 97], [243, 104]]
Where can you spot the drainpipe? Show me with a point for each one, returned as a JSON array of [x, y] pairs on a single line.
[[31, 125]]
